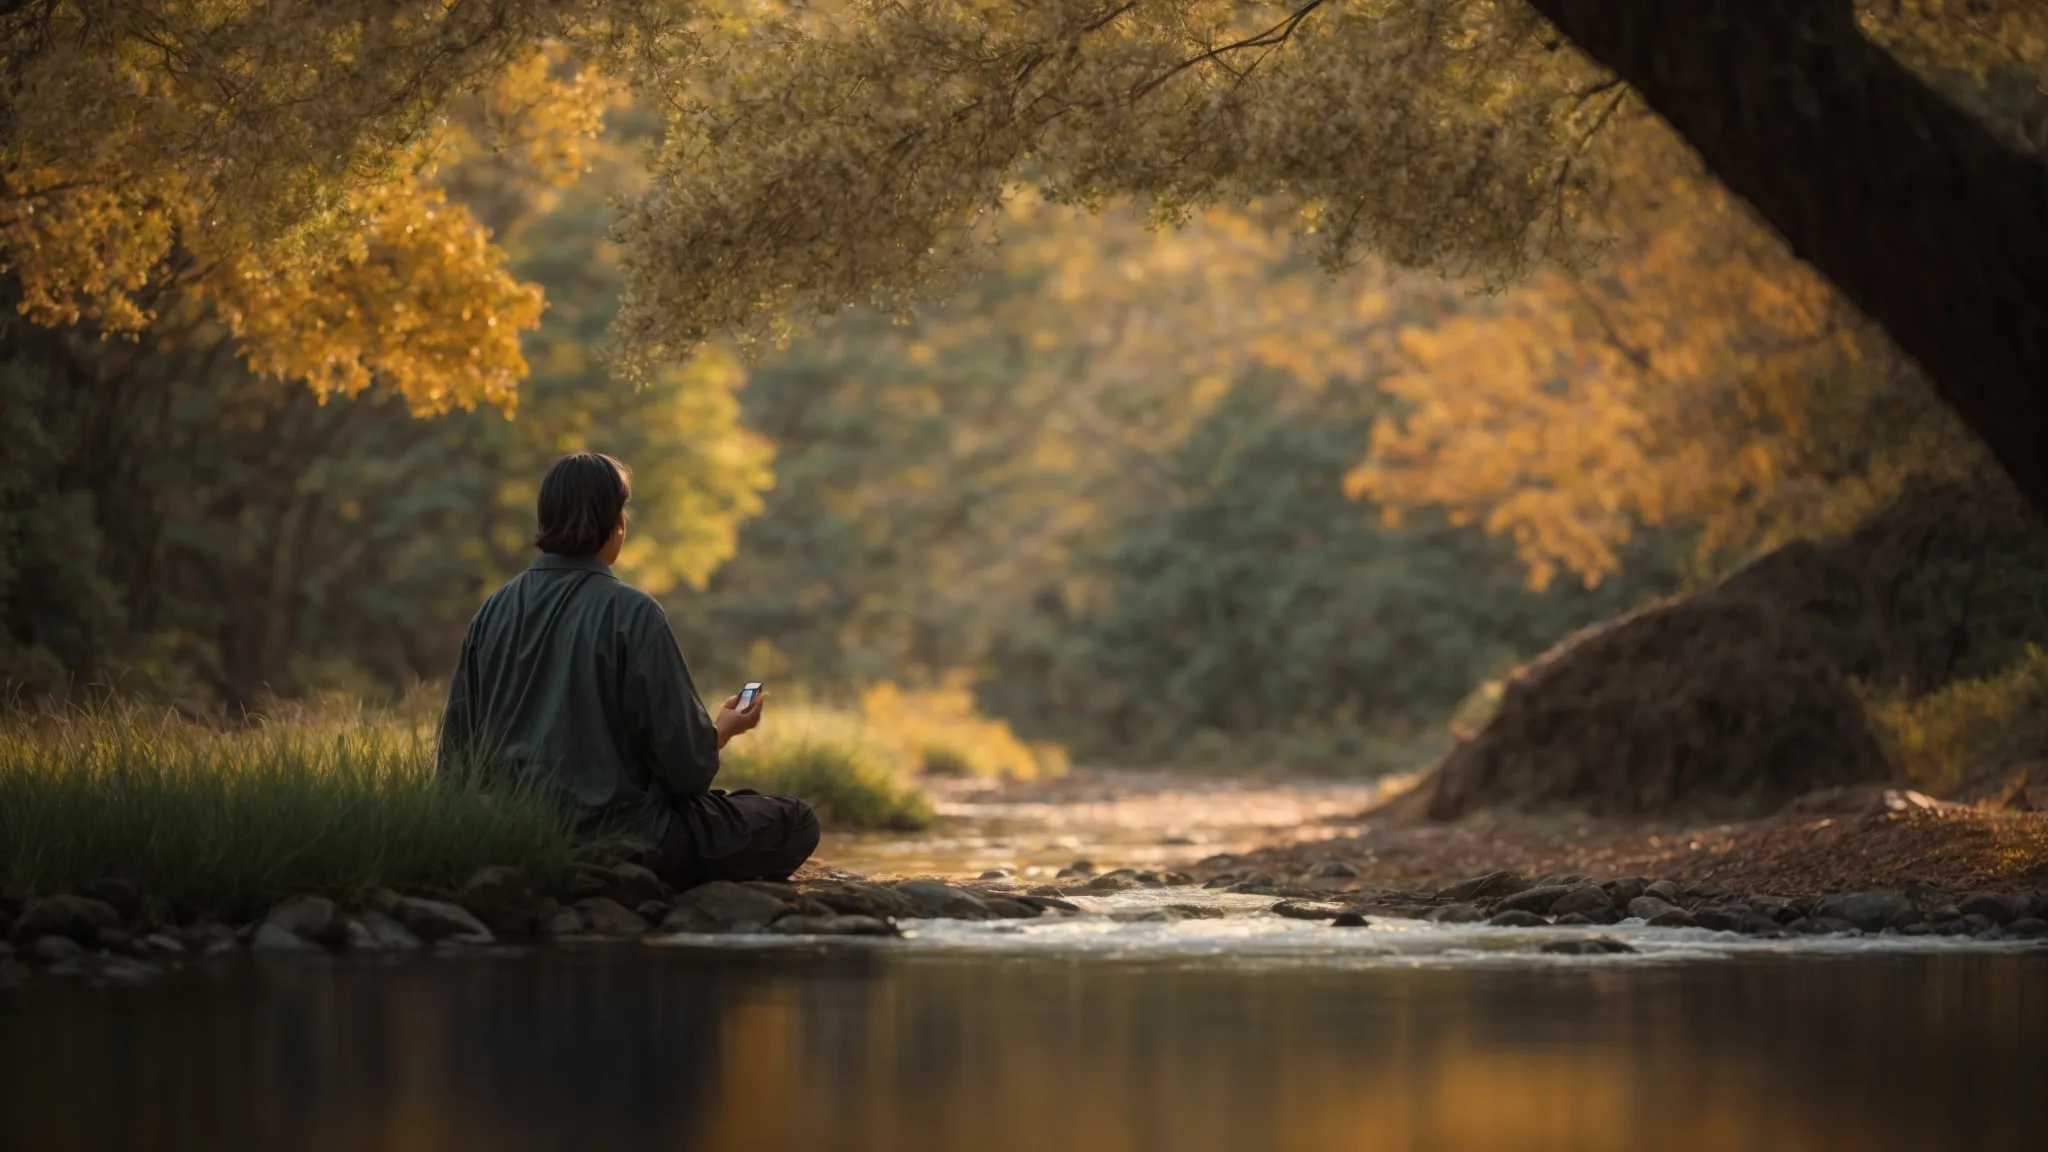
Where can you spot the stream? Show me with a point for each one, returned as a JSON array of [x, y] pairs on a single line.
[[1225, 1029]]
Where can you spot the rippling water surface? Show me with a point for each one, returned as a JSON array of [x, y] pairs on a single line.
[[1226, 1035]]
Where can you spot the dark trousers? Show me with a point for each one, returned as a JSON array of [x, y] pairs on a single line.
[[739, 835]]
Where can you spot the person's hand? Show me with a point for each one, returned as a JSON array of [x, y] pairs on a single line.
[[730, 721]]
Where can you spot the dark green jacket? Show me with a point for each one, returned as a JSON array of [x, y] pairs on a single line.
[[572, 678]]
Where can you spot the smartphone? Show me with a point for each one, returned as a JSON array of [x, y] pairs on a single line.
[[749, 693]]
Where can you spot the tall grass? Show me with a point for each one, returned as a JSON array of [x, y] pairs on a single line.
[[846, 769], [214, 820], [1941, 739]]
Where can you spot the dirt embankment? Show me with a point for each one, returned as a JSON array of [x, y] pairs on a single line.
[[1734, 701], [1863, 844]]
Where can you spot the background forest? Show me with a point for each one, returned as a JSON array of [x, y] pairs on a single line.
[[1153, 494]]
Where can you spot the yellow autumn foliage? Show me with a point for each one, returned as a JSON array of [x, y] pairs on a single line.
[[275, 161], [1703, 379], [939, 730]]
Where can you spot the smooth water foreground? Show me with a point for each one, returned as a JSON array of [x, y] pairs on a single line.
[[1081, 1035]]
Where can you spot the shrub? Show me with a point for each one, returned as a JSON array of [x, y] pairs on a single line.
[[833, 761], [940, 731], [230, 820], [1943, 738]]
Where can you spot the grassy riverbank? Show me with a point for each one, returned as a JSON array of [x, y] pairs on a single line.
[[339, 802], [336, 804]]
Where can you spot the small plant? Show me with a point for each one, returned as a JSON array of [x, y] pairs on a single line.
[[1939, 740]]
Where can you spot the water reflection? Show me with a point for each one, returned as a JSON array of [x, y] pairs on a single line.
[[886, 1051]]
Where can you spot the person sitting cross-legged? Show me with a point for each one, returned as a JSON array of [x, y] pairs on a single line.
[[571, 679]]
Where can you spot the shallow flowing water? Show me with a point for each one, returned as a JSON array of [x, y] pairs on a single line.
[[1076, 1034], [1135, 819]]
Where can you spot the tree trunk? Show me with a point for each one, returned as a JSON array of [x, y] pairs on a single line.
[[1931, 225]]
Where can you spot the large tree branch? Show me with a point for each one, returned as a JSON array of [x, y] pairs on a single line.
[[1918, 213]]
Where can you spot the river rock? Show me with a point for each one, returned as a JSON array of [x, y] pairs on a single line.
[[723, 906], [380, 933], [1648, 907], [272, 937], [1621, 892], [129, 970], [124, 896], [212, 938], [356, 937], [1112, 882], [1578, 920], [1664, 890], [1590, 901], [1517, 918], [1077, 868], [1537, 899], [1303, 910], [1757, 924], [833, 926], [860, 898], [782, 890], [78, 917], [1990, 905], [310, 918], [52, 948], [562, 920], [631, 885], [604, 916], [935, 900], [997, 874], [1007, 907], [1769, 907], [1456, 914], [165, 943], [1490, 886], [1564, 880], [1197, 911], [1332, 868], [435, 921], [1349, 920], [502, 898], [1223, 881], [2027, 928], [1590, 946], [1721, 918], [1673, 918], [1870, 911]]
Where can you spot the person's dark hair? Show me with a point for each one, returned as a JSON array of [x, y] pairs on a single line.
[[580, 501]]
